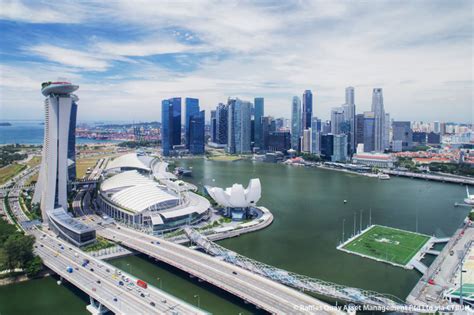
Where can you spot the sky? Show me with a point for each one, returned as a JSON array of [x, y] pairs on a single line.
[[129, 55]]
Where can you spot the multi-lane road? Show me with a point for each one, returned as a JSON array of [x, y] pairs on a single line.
[[264, 293]]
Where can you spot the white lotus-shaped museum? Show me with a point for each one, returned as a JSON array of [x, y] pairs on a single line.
[[236, 196]]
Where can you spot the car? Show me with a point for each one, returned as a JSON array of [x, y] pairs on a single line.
[[152, 242], [94, 289], [107, 270], [92, 269], [152, 304], [41, 245], [115, 299], [77, 268], [98, 281], [235, 273], [36, 246], [120, 282], [142, 295], [157, 243]]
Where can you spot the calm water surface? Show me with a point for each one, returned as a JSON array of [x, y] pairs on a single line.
[[309, 211]]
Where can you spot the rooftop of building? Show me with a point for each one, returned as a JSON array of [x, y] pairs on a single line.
[[63, 218], [132, 161]]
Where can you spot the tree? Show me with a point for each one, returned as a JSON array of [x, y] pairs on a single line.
[[19, 250], [34, 266]]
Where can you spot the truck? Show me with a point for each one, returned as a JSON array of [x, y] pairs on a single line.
[[69, 269], [85, 262], [142, 284]]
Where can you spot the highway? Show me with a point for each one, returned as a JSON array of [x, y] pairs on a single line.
[[264, 293], [439, 178]]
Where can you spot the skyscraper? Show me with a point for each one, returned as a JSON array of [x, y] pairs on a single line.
[[369, 131], [266, 129], [359, 129], [295, 123], [59, 129], [259, 113], [339, 148], [379, 120], [337, 118], [315, 136], [239, 126], [192, 108], [213, 126], [402, 132], [306, 141], [307, 109], [196, 133], [349, 117], [221, 123], [71, 150], [171, 124]]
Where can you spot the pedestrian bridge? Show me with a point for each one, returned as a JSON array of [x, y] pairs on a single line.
[[300, 282]]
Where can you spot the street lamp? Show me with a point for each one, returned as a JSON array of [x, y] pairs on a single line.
[[196, 296]]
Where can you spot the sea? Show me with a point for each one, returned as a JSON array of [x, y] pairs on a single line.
[[31, 132]]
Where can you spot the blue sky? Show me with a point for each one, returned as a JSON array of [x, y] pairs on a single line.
[[129, 55]]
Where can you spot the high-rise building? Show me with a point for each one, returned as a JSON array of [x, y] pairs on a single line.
[[436, 127], [306, 141], [386, 137], [59, 130], [419, 137], [339, 148], [327, 146], [379, 120], [279, 123], [71, 150], [259, 113], [196, 133], [239, 126], [326, 128], [170, 124], [359, 129], [295, 123], [434, 138], [221, 123], [266, 130], [369, 131], [315, 136], [213, 127], [401, 131], [349, 117], [307, 113], [192, 108], [279, 141], [337, 119]]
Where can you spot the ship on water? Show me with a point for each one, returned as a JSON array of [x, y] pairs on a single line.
[[470, 198]]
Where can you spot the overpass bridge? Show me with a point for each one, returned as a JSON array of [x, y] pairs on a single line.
[[299, 282], [252, 288], [439, 178]]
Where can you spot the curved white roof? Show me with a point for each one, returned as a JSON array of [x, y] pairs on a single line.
[[141, 197], [125, 179], [129, 160], [237, 196]]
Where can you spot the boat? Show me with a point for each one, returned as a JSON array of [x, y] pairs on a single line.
[[383, 176], [470, 198], [181, 171], [48, 88]]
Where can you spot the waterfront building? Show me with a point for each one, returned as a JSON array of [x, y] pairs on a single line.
[[279, 141], [402, 133], [221, 123], [239, 126], [369, 131], [379, 120], [266, 129], [52, 186], [141, 202], [327, 146], [315, 136], [337, 119], [349, 116], [359, 129], [436, 127], [213, 126], [192, 108], [60, 108], [380, 160], [307, 113], [170, 124], [339, 148], [237, 201], [196, 133], [259, 113], [295, 123], [386, 137], [306, 141]]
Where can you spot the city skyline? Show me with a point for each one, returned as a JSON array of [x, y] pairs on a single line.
[[164, 51]]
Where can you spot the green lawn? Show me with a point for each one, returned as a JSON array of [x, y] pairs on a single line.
[[388, 244], [9, 171]]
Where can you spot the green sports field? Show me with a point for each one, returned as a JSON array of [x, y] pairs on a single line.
[[387, 244]]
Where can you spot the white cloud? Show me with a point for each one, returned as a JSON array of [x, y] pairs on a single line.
[[39, 12]]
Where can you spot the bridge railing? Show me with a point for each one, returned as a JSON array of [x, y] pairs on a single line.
[[297, 281]]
